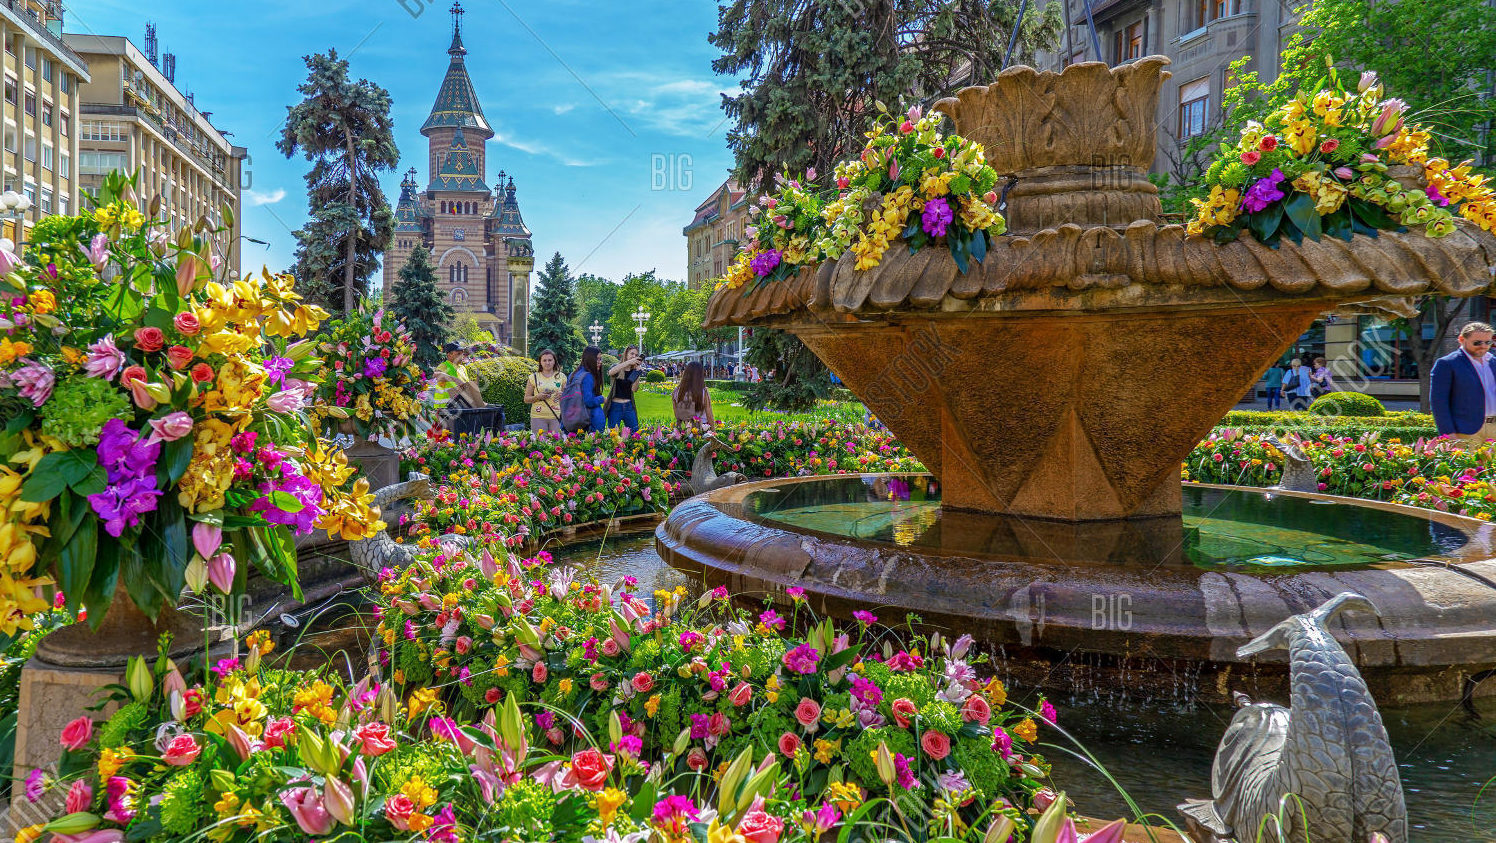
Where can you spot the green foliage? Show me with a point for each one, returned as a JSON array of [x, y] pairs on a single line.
[[525, 809], [654, 376], [116, 730], [1347, 404], [595, 298], [860, 751], [79, 408], [502, 381], [344, 128], [1406, 426], [643, 290], [553, 314], [794, 377], [467, 329], [419, 305], [182, 804], [812, 68]]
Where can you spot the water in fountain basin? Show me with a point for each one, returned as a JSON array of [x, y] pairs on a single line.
[[1161, 752]]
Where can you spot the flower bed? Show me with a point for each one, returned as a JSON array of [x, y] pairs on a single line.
[[1427, 473]]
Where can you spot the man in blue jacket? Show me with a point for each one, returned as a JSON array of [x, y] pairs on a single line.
[[1462, 388]]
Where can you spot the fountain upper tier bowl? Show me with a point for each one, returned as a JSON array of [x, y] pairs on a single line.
[[1068, 374]]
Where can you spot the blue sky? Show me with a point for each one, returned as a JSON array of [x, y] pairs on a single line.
[[606, 113]]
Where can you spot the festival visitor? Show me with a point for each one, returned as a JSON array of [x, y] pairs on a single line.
[[543, 394], [691, 400], [1273, 380], [1297, 385], [590, 374], [1321, 381], [1462, 389], [623, 375]]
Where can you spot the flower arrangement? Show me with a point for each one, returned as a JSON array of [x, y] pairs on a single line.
[[254, 753], [148, 441], [911, 182], [1319, 165], [374, 381], [689, 688]]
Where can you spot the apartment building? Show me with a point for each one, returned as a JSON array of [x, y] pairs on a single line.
[[43, 80], [714, 233], [133, 118]]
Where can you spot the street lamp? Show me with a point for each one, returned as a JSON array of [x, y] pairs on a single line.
[[597, 332], [14, 206], [640, 317]]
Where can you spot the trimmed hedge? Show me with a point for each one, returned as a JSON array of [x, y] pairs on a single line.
[[502, 380], [729, 386], [654, 376], [1405, 425], [1347, 404]]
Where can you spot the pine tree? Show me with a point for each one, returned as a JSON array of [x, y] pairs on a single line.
[[422, 308], [344, 128], [552, 314]]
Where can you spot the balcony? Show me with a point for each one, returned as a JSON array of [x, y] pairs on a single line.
[[43, 34]]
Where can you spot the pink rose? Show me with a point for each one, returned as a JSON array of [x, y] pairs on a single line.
[[77, 733], [171, 427], [80, 796], [757, 826], [696, 758], [643, 682], [149, 339], [808, 712], [1251, 157], [187, 324], [134, 378], [375, 739], [976, 708], [935, 744], [178, 356], [278, 730], [589, 769], [719, 725], [182, 750], [398, 809], [789, 743], [740, 695], [599, 682], [462, 645], [610, 647], [539, 672]]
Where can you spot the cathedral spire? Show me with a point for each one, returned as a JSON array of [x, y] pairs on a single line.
[[457, 103]]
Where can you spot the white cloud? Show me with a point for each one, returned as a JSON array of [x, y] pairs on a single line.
[[255, 197], [563, 108], [533, 148]]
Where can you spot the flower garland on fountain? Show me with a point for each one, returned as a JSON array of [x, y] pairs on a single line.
[[375, 382], [910, 182], [148, 441], [1320, 165]]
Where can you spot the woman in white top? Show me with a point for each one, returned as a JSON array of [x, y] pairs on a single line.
[[543, 394]]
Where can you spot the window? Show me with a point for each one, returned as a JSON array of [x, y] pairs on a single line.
[[31, 57], [62, 204], [47, 69], [1194, 98], [46, 157], [47, 114], [11, 90], [65, 168], [63, 127], [99, 163], [95, 131], [1209, 10], [66, 85], [46, 201], [30, 149], [31, 193], [10, 140], [1130, 41], [31, 105]]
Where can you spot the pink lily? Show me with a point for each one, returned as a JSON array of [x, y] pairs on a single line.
[[206, 539], [308, 809], [221, 570]]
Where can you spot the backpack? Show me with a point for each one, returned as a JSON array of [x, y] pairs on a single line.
[[574, 412]]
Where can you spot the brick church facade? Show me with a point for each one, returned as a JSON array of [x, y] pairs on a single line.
[[475, 234]]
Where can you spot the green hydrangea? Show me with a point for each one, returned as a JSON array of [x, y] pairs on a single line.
[[405, 762], [476, 690], [414, 663], [183, 803], [910, 686], [79, 408], [941, 716], [876, 673], [525, 810], [1233, 174], [859, 753], [985, 769], [670, 714], [646, 656], [116, 730]]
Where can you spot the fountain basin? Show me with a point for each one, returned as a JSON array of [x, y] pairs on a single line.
[[1189, 590]]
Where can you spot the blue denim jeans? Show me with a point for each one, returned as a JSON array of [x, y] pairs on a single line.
[[623, 414]]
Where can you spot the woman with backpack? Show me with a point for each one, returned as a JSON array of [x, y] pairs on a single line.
[[590, 377], [691, 400]]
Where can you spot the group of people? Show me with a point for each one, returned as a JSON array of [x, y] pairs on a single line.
[[750, 373], [1295, 386], [691, 401]]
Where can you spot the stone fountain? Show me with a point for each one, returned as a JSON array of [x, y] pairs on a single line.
[[1053, 391]]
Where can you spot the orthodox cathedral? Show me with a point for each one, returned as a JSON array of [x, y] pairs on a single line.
[[477, 238]]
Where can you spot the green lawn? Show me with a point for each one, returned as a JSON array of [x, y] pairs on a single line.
[[654, 408]]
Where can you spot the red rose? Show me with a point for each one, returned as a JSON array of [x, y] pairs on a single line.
[[77, 733], [719, 725], [976, 708], [935, 744], [1268, 143], [808, 712], [696, 758], [493, 695], [375, 738], [278, 730], [643, 682], [1329, 146], [202, 373], [192, 702], [187, 324], [789, 742], [1251, 157], [590, 768], [149, 339], [760, 827], [178, 356], [903, 710]]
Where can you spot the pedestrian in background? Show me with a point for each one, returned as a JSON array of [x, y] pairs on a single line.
[[1297, 385], [1273, 380], [1462, 389], [1321, 381]]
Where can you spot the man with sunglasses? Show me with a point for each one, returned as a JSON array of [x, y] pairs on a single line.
[[1462, 388]]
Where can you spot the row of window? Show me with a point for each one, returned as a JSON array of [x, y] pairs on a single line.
[[458, 208], [46, 198], [49, 67], [12, 94], [65, 164], [94, 130]]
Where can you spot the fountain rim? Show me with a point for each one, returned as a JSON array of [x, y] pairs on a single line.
[[1480, 545]]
